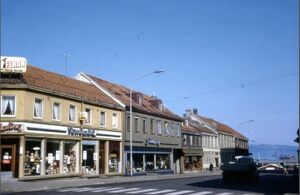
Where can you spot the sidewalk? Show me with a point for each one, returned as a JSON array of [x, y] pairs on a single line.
[[13, 185]]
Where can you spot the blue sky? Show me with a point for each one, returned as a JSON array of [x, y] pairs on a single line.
[[203, 46]]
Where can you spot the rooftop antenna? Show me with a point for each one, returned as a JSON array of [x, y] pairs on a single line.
[[66, 56]]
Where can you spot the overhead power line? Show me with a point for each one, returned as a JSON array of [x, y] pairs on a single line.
[[243, 85]]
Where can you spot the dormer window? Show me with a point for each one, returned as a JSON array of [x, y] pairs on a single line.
[[157, 103], [137, 97]]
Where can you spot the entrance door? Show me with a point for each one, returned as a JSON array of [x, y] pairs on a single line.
[[8, 156]]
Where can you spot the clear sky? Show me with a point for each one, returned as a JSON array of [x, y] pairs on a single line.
[[234, 60]]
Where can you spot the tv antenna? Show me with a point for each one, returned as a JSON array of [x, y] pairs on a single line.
[[66, 56]]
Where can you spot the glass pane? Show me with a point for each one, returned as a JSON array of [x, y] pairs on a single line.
[[89, 157], [163, 161], [114, 157], [32, 163], [149, 162], [70, 148], [53, 157]]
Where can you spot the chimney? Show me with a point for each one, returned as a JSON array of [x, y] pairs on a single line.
[[195, 111], [157, 103], [188, 112], [186, 122]]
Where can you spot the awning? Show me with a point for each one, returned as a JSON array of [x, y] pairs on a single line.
[[192, 152]]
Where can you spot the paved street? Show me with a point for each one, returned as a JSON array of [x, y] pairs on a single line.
[[268, 184]]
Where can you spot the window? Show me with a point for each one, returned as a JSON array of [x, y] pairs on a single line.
[[8, 106], [167, 132], [128, 123], [56, 111], [136, 124], [88, 118], [184, 139], [115, 120], [172, 129], [38, 108], [33, 158], [72, 110], [144, 126], [151, 126], [102, 118], [158, 127], [178, 130], [191, 140]]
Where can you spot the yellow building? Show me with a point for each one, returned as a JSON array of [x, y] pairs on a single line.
[[55, 126]]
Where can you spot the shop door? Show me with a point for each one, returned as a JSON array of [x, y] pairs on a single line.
[[8, 156]]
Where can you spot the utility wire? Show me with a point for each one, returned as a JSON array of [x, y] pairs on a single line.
[[233, 87]]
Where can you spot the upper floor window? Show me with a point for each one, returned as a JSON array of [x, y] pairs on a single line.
[[191, 140], [114, 120], [184, 139], [136, 124], [152, 126], [144, 126], [158, 127], [178, 130], [72, 111], [102, 118], [89, 116], [38, 108], [8, 105], [128, 123], [167, 128], [172, 129], [56, 111]]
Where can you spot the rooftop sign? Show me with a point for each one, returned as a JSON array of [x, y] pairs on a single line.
[[13, 64]]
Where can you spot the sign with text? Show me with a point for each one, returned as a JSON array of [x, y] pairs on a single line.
[[13, 64]]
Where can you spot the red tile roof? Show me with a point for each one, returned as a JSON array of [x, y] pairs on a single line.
[[222, 127], [56, 83], [123, 94]]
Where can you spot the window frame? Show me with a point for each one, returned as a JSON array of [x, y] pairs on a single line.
[[112, 121], [75, 113], [90, 111], [15, 105], [102, 125], [59, 111], [42, 103]]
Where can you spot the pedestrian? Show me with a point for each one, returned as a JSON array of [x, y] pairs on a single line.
[[211, 167]]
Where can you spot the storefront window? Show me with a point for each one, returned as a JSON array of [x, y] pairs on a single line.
[[53, 155], [89, 157], [192, 163], [70, 148], [149, 162], [114, 157], [138, 162], [33, 160], [163, 161]]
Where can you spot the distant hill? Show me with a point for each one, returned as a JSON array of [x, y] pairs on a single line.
[[272, 152]]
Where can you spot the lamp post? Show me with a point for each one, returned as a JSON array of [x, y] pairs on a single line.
[[130, 113]]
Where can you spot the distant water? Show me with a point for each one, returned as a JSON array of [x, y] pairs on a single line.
[[272, 152]]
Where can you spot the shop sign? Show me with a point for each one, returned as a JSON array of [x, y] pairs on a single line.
[[81, 132], [13, 64], [152, 142], [10, 127]]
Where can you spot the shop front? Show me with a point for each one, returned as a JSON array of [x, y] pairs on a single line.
[[149, 160], [192, 160], [44, 151]]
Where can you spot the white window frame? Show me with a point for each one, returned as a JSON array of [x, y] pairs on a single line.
[[136, 125], [59, 111], [144, 125], [103, 125], [90, 111], [167, 131], [42, 108], [152, 129], [158, 127], [75, 113], [114, 126], [15, 106], [178, 130], [185, 139]]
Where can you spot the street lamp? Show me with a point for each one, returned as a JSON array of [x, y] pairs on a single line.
[[130, 112]]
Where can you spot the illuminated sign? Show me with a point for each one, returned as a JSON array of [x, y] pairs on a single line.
[[13, 64], [81, 132], [152, 142]]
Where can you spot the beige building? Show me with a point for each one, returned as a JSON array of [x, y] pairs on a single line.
[[55, 126]]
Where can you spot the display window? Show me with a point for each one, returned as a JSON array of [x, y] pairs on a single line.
[[102, 158], [163, 161], [114, 157], [70, 157], [89, 157], [137, 163], [149, 162], [33, 159], [53, 157]]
